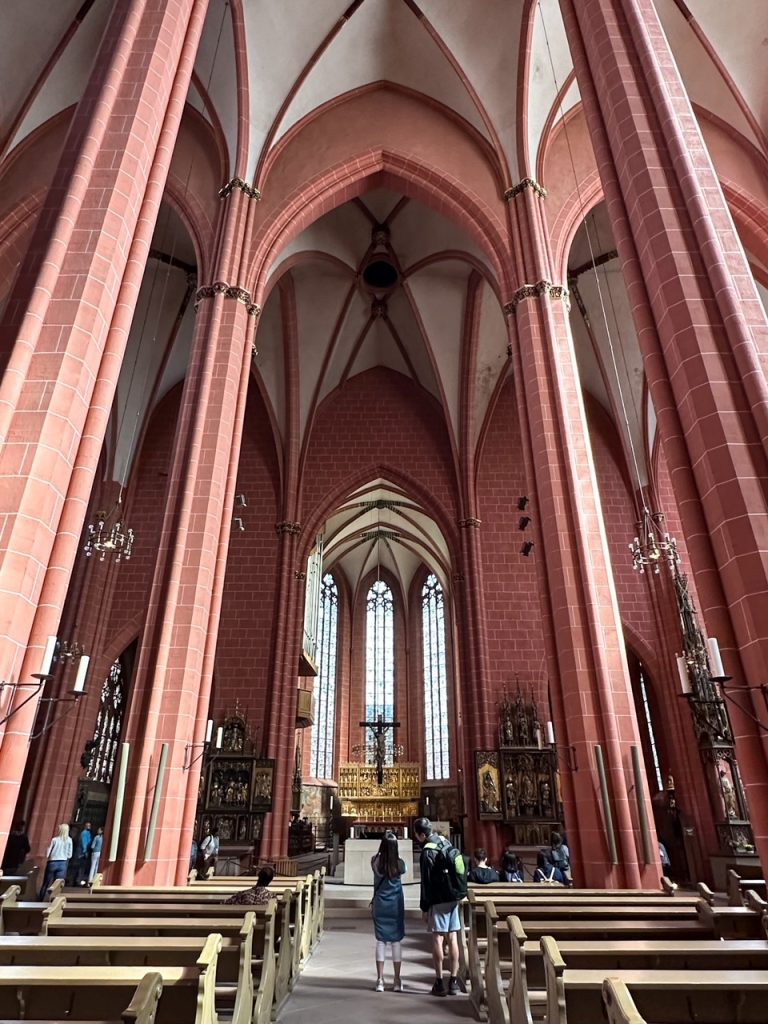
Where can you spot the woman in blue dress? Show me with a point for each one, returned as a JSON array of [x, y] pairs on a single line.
[[388, 908]]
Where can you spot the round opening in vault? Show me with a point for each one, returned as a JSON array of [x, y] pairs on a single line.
[[380, 275]]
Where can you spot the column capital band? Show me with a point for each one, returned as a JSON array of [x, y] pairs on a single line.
[[521, 186], [250, 191], [229, 291], [533, 291]]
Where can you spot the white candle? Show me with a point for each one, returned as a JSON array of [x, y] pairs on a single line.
[[82, 669], [50, 649], [715, 661], [331, 801], [209, 731], [538, 736], [550, 734], [219, 737], [426, 801], [682, 671]]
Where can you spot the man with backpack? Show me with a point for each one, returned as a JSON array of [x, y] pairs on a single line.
[[443, 886]]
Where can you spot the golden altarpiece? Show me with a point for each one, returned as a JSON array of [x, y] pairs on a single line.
[[371, 807]]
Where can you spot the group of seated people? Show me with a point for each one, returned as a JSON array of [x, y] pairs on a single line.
[[553, 864]]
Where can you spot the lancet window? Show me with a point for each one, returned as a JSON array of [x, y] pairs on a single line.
[[380, 663], [323, 731], [435, 680]]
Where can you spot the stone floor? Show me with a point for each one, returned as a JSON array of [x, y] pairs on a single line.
[[337, 984]]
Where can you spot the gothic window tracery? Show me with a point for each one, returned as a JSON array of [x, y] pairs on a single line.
[[109, 724], [435, 680], [380, 665], [323, 731]]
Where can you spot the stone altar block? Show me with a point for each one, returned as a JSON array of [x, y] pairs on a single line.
[[357, 860]]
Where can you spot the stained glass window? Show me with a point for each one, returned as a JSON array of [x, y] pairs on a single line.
[[435, 680], [109, 725], [323, 731], [380, 664]]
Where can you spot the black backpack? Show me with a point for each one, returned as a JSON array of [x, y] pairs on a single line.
[[448, 880]]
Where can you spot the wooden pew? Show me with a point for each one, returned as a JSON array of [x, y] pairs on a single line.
[[27, 883], [490, 953], [527, 991], [621, 1007], [234, 974], [731, 922], [738, 887], [663, 996], [271, 951], [301, 914], [101, 993], [508, 899], [27, 918]]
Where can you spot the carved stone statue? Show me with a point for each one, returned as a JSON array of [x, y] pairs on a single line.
[[729, 797]]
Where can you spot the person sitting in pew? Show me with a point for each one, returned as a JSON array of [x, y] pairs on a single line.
[[258, 894], [481, 873], [546, 870]]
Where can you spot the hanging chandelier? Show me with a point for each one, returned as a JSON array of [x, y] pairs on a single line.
[[652, 546], [109, 535]]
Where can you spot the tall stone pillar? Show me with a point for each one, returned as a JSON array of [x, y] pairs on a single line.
[[479, 710], [171, 689], [66, 326], [284, 687], [593, 704], [702, 332]]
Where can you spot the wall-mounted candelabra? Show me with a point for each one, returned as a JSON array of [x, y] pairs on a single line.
[[53, 653], [207, 751], [702, 684]]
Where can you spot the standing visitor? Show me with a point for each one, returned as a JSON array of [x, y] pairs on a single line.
[[442, 876], [388, 907], [481, 874], [16, 849], [96, 845], [83, 855], [207, 853], [58, 856], [561, 857]]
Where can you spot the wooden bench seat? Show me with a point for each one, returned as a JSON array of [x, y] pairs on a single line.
[[526, 994], [103, 993], [245, 983], [26, 882], [105, 900], [548, 912], [26, 918], [738, 888], [660, 997], [270, 928]]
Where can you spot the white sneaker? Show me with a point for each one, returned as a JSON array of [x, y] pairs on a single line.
[[398, 985], [379, 984]]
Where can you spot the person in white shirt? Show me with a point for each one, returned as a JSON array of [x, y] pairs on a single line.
[[59, 854]]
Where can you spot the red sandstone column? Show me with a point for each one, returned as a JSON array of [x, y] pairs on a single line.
[[284, 688], [171, 690], [594, 690], [702, 331], [64, 303], [479, 711]]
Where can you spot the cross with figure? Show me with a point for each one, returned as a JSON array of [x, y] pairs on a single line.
[[379, 730]]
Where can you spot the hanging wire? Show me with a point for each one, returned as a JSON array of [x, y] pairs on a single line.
[[592, 257]]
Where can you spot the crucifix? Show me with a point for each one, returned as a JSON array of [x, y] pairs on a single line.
[[379, 729]]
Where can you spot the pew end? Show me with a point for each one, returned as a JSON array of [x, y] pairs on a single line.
[[142, 1009], [619, 1004], [706, 893], [668, 886]]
